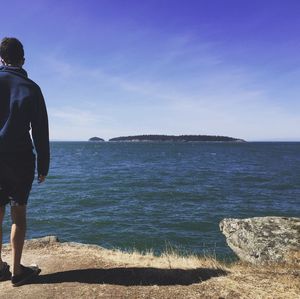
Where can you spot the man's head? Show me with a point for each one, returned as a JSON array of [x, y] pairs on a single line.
[[11, 52]]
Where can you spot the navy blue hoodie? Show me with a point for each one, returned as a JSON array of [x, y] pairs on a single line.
[[22, 108]]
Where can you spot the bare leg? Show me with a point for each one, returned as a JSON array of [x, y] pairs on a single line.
[[2, 212], [17, 236]]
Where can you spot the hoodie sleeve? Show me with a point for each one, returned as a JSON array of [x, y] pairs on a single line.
[[40, 133]]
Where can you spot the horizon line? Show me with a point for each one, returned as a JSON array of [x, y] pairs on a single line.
[[107, 140]]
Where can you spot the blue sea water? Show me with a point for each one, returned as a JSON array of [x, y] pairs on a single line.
[[160, 195]]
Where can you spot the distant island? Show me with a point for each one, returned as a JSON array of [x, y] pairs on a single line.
[[97, 139], [172, 138]]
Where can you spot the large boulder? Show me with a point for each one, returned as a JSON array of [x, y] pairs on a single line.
[[264, 239]]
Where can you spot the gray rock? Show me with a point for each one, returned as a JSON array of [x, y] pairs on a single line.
[[264, 239], [41, 242]]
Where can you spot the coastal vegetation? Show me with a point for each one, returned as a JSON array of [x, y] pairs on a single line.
[[97, 139]]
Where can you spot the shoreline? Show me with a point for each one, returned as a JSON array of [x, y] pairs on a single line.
[[75, 270]]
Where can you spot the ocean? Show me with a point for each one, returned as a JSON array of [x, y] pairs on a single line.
[[160, 196]]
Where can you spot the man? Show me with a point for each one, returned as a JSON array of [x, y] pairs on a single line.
[[22, 108]]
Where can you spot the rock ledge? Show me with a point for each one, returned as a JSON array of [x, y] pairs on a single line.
[[264, 239]]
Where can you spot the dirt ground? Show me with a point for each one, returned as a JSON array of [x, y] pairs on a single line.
[[71, 270]]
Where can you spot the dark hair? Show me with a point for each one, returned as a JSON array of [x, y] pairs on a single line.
[[11, 50]]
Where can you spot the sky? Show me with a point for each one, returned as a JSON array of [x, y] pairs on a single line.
[[112, 68]]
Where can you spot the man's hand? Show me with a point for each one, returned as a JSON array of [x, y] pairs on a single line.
[[41, 178]]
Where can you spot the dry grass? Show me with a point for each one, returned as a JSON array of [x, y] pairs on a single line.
[[243, 280], [169, 259], [235, 280], [84, 271], [266, 281]]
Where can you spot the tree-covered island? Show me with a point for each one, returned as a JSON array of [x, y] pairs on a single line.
[[172, 138], [96, 139]]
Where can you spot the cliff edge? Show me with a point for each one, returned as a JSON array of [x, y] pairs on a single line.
[[73, 270]]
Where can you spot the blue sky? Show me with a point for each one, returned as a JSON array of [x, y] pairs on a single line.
[[111, 68]]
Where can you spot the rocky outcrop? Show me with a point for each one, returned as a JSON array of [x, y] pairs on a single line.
[[264, 239], [74, 270]]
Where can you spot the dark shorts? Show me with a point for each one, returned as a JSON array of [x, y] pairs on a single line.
[[16, 177]]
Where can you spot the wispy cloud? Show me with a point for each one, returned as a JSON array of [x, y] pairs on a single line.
[[187, 88], [58, 67], [73, 116]]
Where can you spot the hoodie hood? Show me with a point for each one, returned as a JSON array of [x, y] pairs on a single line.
[[14, 69]]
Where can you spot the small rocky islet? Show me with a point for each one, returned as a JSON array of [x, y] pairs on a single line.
[[96, 139]]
